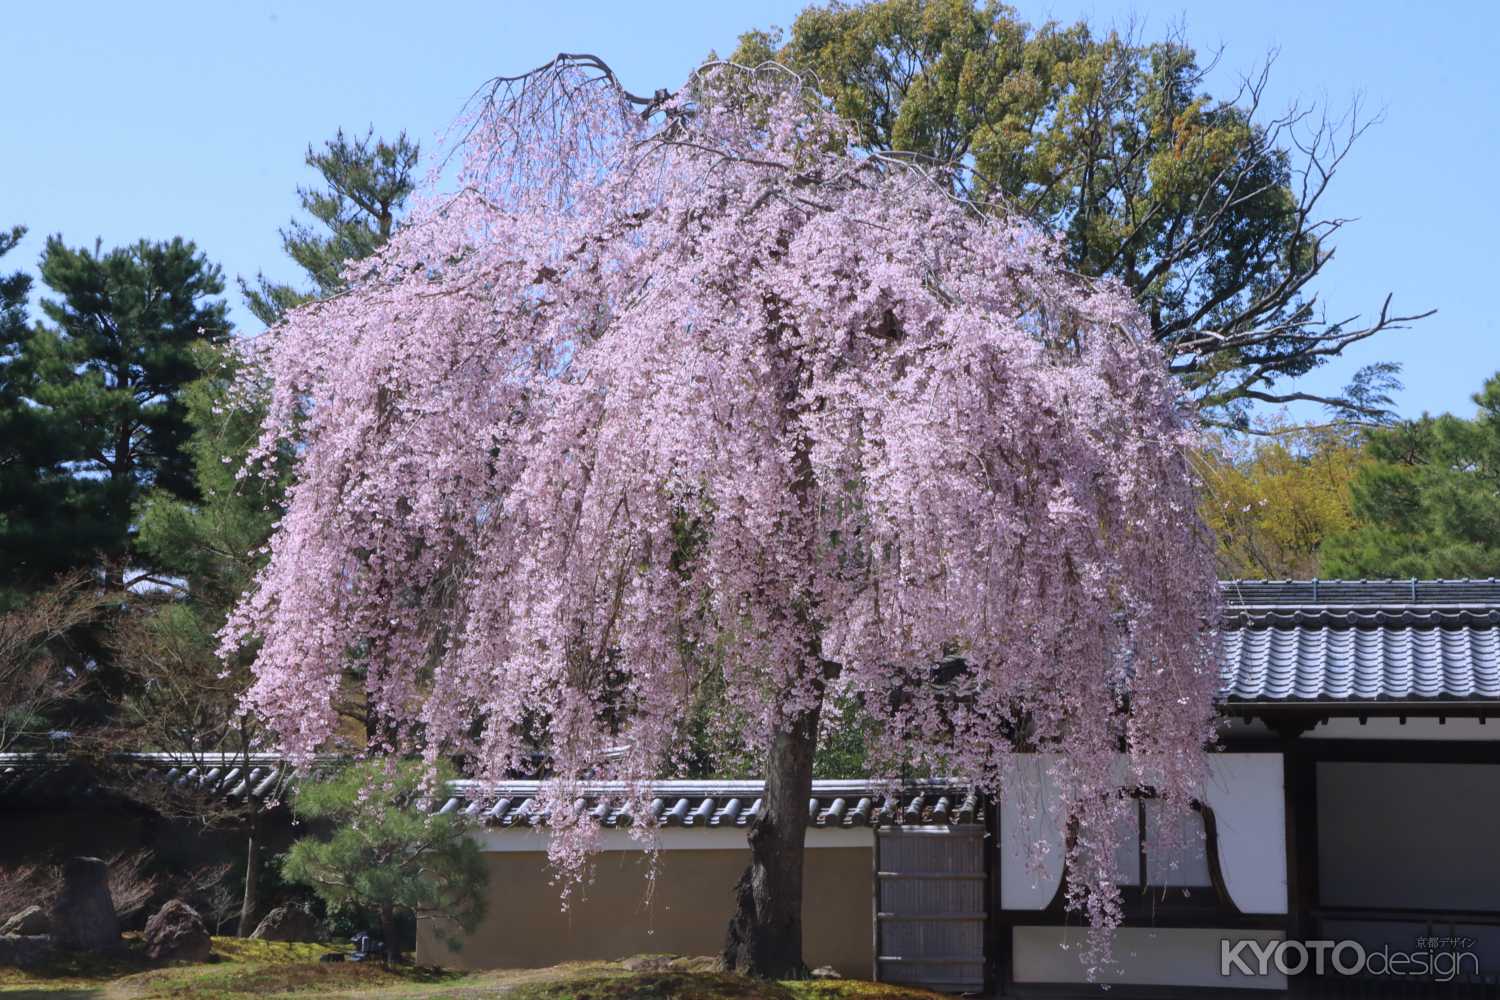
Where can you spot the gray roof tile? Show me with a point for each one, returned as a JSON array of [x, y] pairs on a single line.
[[1363, 593], [1318, 658], [717, 804]]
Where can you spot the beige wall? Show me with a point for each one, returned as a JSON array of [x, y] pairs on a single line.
[[687, 914]]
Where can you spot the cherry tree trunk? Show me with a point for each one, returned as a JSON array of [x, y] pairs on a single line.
[[388, 932], [250, 902], [765, 933]]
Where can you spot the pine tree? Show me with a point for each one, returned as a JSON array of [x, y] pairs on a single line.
[[367, 182], [44, 530], [388, 853], [1429, 503], [111, 365]]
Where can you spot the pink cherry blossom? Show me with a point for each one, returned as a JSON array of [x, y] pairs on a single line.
[[629, 399]]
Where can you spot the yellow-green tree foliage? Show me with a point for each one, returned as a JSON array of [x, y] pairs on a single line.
[[1273, 502]]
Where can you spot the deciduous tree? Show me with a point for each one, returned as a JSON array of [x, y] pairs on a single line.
[[1206, 208], [681, 380], [1273, 502], [41, 661], [181, 700]]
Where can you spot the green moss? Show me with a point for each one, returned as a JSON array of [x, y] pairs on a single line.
[[267, 970]]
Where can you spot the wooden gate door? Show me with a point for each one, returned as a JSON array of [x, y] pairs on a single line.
[[929, 907]]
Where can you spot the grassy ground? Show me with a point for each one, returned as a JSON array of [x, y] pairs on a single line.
[[263, 970]]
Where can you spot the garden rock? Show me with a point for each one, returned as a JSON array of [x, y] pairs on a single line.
[[176, 933], [287, 923], [825, 972], [649, 963], [22, 950], [83, 915], [30, 922]]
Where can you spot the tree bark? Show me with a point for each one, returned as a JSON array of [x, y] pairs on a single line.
[[250, 902], [388, 933], [765, 933]]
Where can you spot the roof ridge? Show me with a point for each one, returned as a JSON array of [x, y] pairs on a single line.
[[1479, 592]]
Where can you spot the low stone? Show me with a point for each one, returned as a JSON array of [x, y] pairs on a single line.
[[825, 972], [22, 950], [30, 922], [649, 963], [176, 934], [83, 915], [287, 923]]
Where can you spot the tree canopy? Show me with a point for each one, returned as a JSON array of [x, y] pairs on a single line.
[[1274, 503], [1206, 208], [1429, 502], [650, 390], [111, 363], [46, 525], [366, 184]]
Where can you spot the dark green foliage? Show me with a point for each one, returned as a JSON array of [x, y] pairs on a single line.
[[185, 698], [388, 851], [1204, 207], [367, 182], [110, 366], [43, 527], [1429, 504], [213, 543], [846, 741]]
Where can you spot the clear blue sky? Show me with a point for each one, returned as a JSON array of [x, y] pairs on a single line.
[[124, 120]]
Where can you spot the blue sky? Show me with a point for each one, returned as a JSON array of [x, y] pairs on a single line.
[[154, 119]]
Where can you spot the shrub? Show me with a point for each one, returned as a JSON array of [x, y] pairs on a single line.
[[388, 850]]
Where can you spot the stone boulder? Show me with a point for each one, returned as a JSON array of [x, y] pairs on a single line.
[[649, 963], [30, 922], [176, 933], [287, 923], [83, 915], [22, 950], [825, 972]]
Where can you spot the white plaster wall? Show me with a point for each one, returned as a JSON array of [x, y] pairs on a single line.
[[672, 838], [1408, 835], [1031, 836], [1144, 956], [1245, 791], [1185, 864], [1247, 794]]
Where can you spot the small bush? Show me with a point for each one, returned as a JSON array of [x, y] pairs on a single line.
[[388, 851]]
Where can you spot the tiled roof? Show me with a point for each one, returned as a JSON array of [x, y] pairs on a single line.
[[514, 804], [715, 804], [234, 776], [1361, 641], [1359, 593], [1326, 662]]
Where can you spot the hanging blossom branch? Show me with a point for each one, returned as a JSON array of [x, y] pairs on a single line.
[[699, 390]]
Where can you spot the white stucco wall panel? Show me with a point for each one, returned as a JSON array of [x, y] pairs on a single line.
[[1031, 837], [1247, 792], [1142, 956]]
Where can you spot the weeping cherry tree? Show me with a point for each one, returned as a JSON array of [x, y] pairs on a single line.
[[652, 387]]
